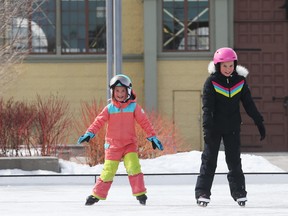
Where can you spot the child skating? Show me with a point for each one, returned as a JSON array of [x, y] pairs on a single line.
[[121, 114], [223, 91]]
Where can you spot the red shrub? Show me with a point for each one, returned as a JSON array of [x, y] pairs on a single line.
[[166, 133], [16, 122], [33, 129], [53, 122], [94, 150]]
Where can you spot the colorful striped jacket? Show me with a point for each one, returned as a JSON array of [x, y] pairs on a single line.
[[221, 100], [121, 119]]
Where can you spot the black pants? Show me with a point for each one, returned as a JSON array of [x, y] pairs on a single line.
[[209, 157]]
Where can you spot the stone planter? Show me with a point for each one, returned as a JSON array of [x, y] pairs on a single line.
[[30, 163]]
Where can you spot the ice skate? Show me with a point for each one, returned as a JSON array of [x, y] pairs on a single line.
[[203, 200], [241, 201], [142, 199], [91, 200]]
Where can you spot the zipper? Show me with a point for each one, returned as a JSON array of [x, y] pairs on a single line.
[[227, 79]]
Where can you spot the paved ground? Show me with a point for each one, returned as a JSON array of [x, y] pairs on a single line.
[[279, 159]]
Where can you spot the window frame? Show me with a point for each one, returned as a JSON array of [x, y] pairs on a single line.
[[214, 40], [35, 56], [180, 24], [187, 55], [87, 25]]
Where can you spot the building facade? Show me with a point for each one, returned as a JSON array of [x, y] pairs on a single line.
[[167, 45]]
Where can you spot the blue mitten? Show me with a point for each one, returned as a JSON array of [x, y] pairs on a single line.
[[86, 137], [155, 143]]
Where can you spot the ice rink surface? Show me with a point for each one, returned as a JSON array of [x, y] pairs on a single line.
[[167, 195]]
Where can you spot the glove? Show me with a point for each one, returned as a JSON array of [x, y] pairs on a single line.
[[262, 131], [86, 137], [208, 136], [155, 143]]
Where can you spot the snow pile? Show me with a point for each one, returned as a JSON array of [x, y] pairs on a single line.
[[188, 162]]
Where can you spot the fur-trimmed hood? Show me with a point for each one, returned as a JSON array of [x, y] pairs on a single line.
[[242, 71]]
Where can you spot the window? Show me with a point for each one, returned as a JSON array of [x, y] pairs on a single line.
[[185, 25], [83, 26], [82, 30], [43, 27], [33, 26]]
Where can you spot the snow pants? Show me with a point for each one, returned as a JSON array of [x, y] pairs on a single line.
[[209, 158], [133, 169]]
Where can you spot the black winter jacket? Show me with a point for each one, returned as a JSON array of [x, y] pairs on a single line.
[[221, 100]]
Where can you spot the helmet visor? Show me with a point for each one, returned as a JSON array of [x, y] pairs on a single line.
[[120, 80]]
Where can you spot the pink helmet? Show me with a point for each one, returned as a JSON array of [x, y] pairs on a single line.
[[224, 54]]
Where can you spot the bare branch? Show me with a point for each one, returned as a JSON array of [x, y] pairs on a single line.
[[15, 36]]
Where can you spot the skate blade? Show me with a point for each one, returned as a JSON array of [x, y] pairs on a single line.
[[203, 202], [91, 200], [142, 203], [242, 204], [241, 201], [142, 199]]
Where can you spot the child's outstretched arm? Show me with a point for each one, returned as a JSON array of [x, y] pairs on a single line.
[[94, 127], [146, 125]]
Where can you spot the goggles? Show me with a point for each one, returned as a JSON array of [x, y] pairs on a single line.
[[120, 80]]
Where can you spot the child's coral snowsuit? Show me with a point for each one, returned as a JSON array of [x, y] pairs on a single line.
[[121, 142]]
